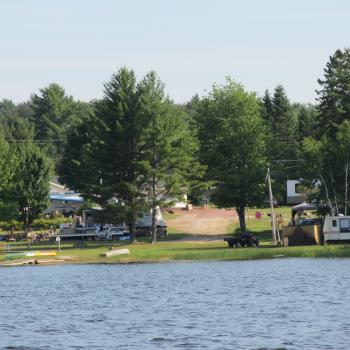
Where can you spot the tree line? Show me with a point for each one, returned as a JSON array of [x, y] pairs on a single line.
[[135, 149]]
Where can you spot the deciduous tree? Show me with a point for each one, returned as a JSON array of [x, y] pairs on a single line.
[[233, 145]]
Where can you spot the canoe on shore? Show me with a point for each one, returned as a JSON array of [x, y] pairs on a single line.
[[22, 255]]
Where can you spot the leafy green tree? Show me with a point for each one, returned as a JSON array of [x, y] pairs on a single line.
[[8, 207], [232, 138], [30, 183], [168, 146]]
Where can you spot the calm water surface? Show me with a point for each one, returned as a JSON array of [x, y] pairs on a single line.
[[270, 304]]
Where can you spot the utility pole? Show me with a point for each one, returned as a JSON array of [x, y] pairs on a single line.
[[271, 205]]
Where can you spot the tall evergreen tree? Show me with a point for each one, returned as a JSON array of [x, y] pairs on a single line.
[[168, 145], [307, 119], [135, 151], [330, 147], [334, 95], [283, 145], [110, 162], [267, 109], [54, 114]]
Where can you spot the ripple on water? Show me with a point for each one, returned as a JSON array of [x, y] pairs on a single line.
[[255, 305]]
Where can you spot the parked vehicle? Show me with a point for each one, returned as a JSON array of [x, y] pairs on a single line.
[[117, 232], [144, 224], [336, 229], [245, 240], [310, 221]]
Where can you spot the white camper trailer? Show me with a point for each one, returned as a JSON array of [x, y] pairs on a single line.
[[336, 228], [294, 195]]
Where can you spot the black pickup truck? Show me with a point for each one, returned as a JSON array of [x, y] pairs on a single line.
[[245, 240]]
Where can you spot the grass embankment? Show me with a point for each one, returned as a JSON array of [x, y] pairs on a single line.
[[180, 251]]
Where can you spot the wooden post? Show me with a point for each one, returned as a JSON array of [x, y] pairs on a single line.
[[271, 205]]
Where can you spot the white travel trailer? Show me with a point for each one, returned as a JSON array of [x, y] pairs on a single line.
[[294, 195], [336, 228]]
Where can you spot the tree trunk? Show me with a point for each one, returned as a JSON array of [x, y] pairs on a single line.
[[132, 231], [154, 225], [154, 212], [327, 195], [241, 216]]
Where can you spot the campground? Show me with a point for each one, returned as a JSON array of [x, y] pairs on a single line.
[[200, 244]]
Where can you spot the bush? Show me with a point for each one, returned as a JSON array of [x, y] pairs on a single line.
[[8, 225], [38, 224], [45, 224]]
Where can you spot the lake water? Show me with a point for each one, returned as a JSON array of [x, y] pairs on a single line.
[[269, 304]]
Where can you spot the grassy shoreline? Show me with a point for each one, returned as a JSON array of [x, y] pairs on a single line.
[[180, 251], [173, 248]]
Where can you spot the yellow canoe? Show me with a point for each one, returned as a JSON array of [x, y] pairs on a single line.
[[39, 253]]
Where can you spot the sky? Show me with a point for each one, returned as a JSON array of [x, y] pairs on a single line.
[[191, 44]]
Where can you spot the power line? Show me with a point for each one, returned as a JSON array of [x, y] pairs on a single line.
[[28, 140]]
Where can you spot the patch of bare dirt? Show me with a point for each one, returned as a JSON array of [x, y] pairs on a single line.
[[203, 223]]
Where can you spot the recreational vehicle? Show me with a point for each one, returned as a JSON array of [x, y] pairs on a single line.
[[336, 229]]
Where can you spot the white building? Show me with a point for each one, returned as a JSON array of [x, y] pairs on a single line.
[[62, 200]]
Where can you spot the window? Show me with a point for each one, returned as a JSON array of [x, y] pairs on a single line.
[[299, 188], [334, 223], [344, 225]]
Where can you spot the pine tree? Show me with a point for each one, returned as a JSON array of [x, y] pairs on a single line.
[[283, 148], [334, 95], [267, 109], [54, 115], [108, 159], [168, 145]]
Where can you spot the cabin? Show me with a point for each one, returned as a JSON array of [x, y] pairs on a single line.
[[63, 201]]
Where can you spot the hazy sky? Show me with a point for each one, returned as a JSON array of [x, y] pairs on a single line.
[[190, 43]]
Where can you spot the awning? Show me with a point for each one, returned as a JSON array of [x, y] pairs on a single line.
[[65, 198], [300, 208]]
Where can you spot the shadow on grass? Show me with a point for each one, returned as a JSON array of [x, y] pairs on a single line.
[[201, 248], [21, 246]]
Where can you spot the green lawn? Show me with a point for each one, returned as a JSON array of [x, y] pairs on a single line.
[[169, 249], [260, 227], [178, 251]]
